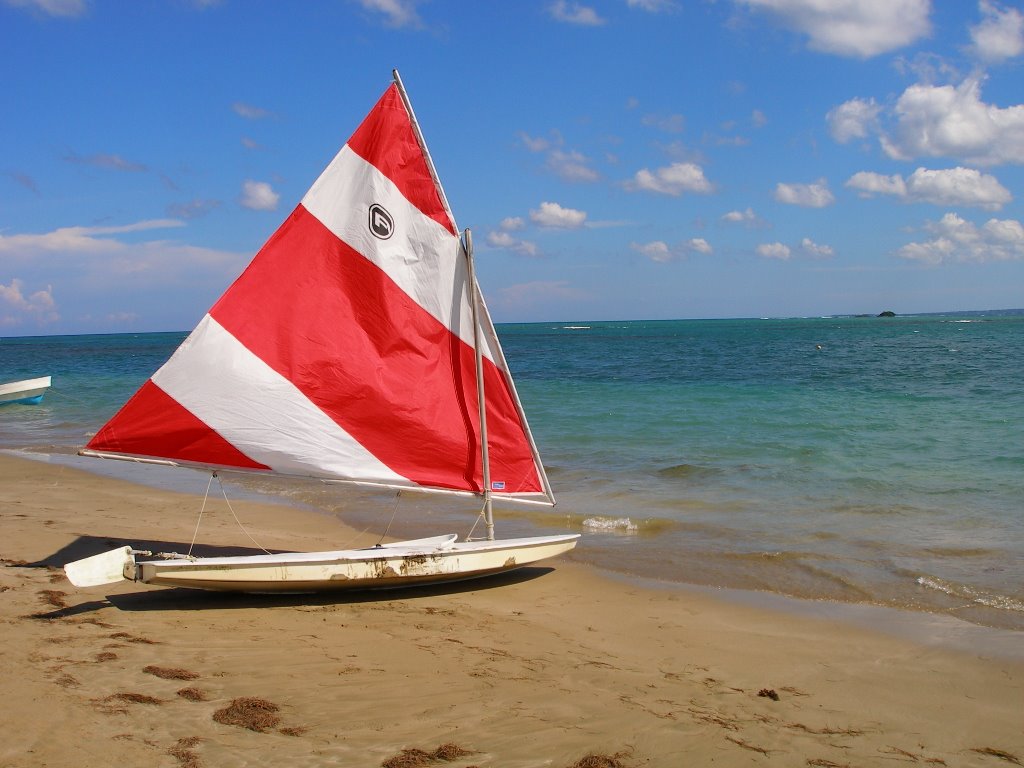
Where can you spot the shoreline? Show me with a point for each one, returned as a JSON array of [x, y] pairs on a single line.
[[539, 667], [919, 626]]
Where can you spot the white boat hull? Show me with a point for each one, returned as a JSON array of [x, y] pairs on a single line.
[[29, 391], [401, 564]]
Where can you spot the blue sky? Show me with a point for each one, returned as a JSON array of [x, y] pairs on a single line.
[[615, 159]]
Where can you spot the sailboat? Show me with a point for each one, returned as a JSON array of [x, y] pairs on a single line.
[[355, 348]]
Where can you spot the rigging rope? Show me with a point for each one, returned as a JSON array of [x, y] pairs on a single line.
[[195, 533], [230, 508], [226, 501], [479, 517], [394, 511]]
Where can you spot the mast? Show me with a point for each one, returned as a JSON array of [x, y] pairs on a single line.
[[467, 246]]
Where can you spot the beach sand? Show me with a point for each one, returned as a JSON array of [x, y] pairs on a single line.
[[540, 668]]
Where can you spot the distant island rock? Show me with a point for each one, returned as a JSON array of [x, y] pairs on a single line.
[[887, 313]]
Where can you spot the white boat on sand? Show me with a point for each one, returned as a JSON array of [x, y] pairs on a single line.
[[28, 391], [354, 349]]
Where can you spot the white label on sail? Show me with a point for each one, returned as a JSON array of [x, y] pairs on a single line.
[[349, 187]]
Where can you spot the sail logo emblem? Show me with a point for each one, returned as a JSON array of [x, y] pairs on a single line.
[[381, 223]]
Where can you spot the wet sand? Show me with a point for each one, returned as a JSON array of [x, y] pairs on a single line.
[[542, 667]]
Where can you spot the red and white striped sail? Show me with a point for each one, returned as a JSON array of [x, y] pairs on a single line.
[[345, 350]]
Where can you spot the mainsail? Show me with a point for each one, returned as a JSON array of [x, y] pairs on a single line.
[[345, 350]]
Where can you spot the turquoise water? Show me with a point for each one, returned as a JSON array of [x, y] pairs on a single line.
[[857, 459]]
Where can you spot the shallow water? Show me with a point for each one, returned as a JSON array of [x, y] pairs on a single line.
[[856, 459]]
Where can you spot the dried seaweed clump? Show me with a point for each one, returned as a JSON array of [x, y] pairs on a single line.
[[768, 693], [1000, 753], [413, 758], [249, 712], [182, 752], [192, 694], [54, 597], [169, 673], [133, 638], [601, 761], [136, 698], [117, 703]]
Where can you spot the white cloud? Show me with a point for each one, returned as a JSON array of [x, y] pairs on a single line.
[[1000, 35], [815, 195], [659, 250], [948, 121], [258, 196], [555, 216], [854, 119], [860, 28], [674, 123], [571, 166], [249, 112], [529, 295], [91, 250], [24, 180], [108, 161], [193, 209], [575, 13], [653, 6], [16, 307], [568, 165], [957, 186], [397, 13], [870, 184], [815, 250], [61, 8], [672, 180], [951, 186], [699, 244], [108, 270], [774, 251], [747, 217], [957, 240], [508, 242], [535, 144], [512, 223], [71, 240]]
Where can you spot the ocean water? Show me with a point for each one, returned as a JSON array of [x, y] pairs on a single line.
[[855, 459]]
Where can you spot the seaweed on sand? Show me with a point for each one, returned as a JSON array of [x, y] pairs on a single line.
[[54, 597], [249, 712], [129, 638], [169, 673], [134, 698], [1000, 753], [413, 758], [182, 752], [601, 761], [117, 703]]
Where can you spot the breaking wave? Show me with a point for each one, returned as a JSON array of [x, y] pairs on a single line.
[[611, 525], [964, 592]]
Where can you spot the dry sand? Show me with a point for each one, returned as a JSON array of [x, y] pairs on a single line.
[[538, 669]]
